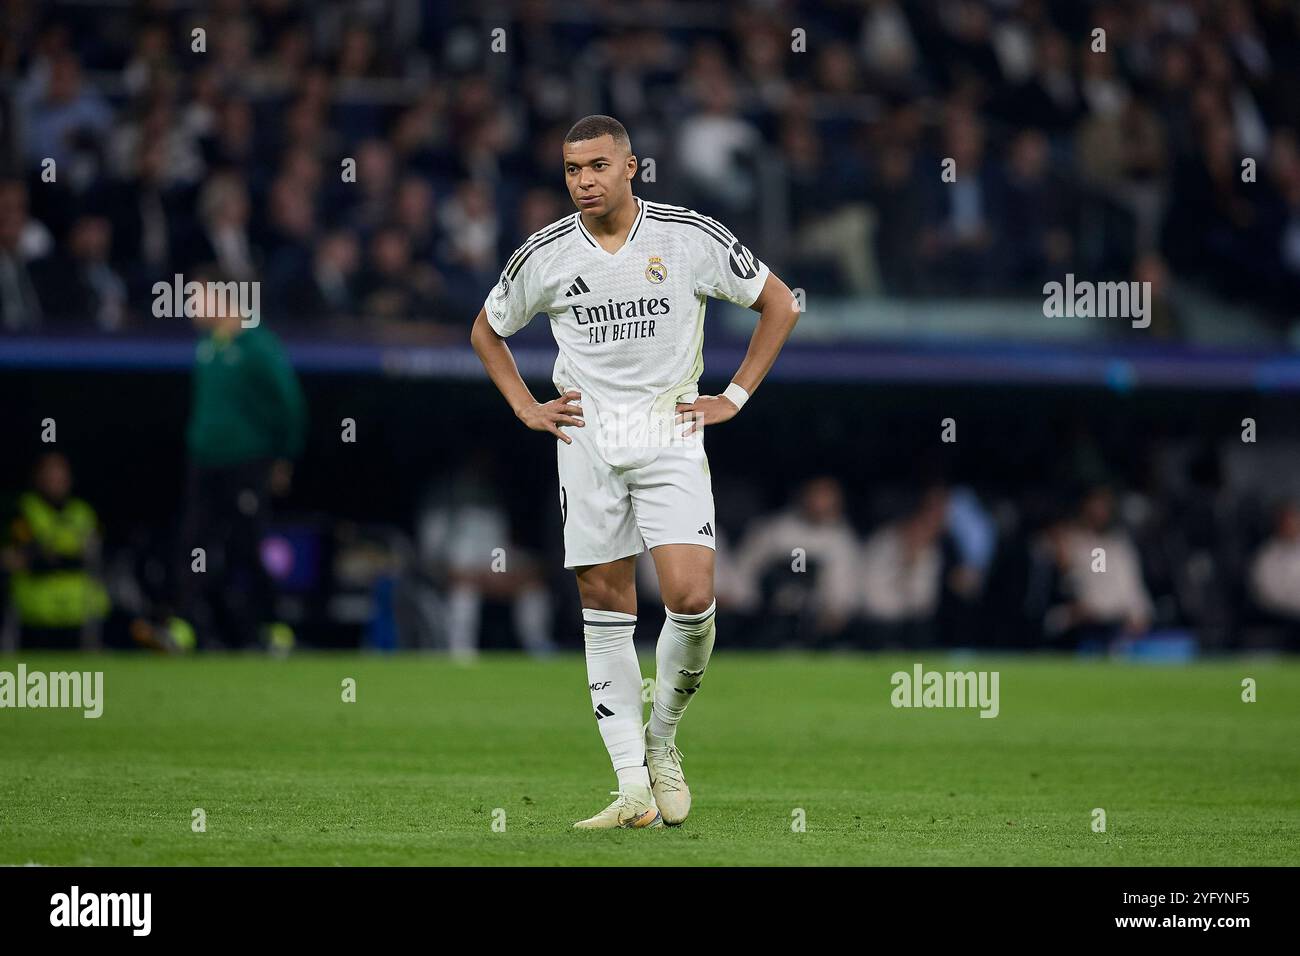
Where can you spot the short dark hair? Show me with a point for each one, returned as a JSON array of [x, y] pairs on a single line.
[[596, 126]]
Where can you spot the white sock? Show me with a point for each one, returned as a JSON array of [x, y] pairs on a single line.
[[614, 677], [681, 657], [638, 776]]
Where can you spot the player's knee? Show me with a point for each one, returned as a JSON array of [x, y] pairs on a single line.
[[690, 602]]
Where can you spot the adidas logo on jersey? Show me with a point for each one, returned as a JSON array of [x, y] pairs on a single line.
[[577, 288], [707, 529]]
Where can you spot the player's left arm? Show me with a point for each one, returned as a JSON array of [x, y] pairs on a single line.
[[778, 313]]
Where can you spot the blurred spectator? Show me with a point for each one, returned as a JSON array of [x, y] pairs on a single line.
[[223, 237], [231, 48], [232, 141], [1166, 316], [974, 538], [888, 45], [1275, 570], [901, 573], [1211, 226], [376, 184], [959, 244], [898, 201], [151, 59], [414, 213], [392, 288], [1101, 582], [762, 56], [52, 553], [290, 232], [470, 227], [1122, 153], [538, 209], [80, 285], [831, 221], [356, 59], [1038, 217], [144, 208], [20, 303], [159, 128], [468, 255], [61, 116], [717, 147], [1283, 218], [327, 290], [34, 241], [1050, 99], [813, 538]]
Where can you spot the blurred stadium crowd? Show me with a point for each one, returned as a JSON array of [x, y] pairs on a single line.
[[1127, 164], [1118, 164]]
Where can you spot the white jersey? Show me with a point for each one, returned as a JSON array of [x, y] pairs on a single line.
[[629, 324]]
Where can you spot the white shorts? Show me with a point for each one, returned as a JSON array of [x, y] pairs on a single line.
[[616, 502]]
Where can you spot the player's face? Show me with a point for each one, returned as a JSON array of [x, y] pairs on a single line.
[[599, 174]]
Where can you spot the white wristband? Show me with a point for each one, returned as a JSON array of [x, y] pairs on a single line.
[[737, 395]]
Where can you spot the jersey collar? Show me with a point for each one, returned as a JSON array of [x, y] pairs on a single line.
[[631, 233]]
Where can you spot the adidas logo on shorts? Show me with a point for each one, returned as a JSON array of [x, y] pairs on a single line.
[[707, 529]]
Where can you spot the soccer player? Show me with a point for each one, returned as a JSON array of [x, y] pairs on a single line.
[[624, 283]]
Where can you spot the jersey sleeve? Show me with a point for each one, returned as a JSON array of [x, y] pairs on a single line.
[[517, 296], [726, 269]]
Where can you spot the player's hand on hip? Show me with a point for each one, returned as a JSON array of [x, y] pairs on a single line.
[[549, 416], [705, 410]]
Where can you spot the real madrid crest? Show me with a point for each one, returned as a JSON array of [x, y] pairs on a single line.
[[656, 271]]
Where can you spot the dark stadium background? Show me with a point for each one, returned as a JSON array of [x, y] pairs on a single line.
[[851, 132]]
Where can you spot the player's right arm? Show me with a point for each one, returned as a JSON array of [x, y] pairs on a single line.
[[493, 352], [511, 305]]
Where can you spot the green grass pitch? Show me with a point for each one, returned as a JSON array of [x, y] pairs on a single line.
[[417, 769]]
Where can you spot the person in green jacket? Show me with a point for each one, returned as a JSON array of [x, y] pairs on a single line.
[[52, 553], [247, 424]]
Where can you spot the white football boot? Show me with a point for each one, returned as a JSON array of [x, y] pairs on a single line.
[[633, 810], [672, 795]]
